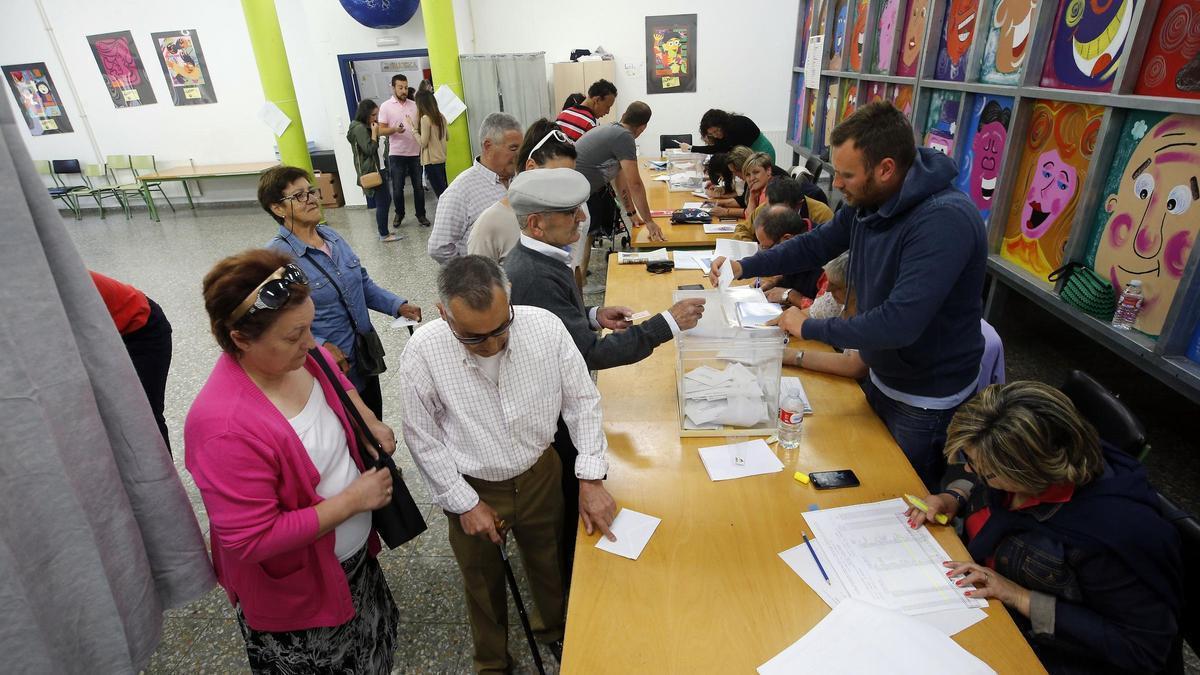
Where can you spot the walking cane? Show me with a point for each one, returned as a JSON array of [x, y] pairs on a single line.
[[512, 585]]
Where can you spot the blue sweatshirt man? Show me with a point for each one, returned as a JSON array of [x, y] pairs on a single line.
[[917, 265]]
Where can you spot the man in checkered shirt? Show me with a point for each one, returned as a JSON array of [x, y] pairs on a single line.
[[483, 388], [475, 189]]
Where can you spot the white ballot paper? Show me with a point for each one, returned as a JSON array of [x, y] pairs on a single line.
[[719, 228], [725, 275], [721, 460], [735, 249], [757, 314], [798, 558], [879, 558], [858, 637], [402, 321], [632, 530], [694, 260]]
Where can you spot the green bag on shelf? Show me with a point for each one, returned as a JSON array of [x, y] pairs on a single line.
[[1086, 291]]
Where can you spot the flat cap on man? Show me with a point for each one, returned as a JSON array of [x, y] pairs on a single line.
[[542, 190]]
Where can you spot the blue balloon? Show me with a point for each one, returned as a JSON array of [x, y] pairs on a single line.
[[381, 13]]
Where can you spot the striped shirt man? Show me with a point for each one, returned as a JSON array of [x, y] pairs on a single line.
[[576, 121]]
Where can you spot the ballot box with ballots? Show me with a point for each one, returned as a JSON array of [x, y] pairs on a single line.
[[729, 366], [685, 171]]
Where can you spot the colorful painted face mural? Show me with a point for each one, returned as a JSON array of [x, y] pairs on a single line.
[[981, 164], [960, 29], [902, 97], [914, 36], [875, 91], [859, 35], [1171, 65], [1054, 163], [839, 35], [1149, 222], [1088, 43], [887, 36], [1012, 22], [940, 125]]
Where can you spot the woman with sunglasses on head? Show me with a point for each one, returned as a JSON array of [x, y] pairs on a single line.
[[1064, 529], [497, 231], [343, 323], [278, 467]]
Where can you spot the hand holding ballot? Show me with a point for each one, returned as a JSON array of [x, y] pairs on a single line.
[[614, 318], [714, 274]]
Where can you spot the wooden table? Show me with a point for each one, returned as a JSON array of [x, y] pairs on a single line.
[[710, 594], [662, 199], [183, 174]]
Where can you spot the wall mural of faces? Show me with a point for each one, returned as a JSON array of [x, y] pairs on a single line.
[[914, 37], [986, 134], [885, 50], [1007, 41], [1088, 43]]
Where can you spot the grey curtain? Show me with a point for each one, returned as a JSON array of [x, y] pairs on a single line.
[[511, 83], [97, 536]]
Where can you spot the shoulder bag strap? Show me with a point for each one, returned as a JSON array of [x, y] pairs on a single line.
[[349, 312], [352, 412]]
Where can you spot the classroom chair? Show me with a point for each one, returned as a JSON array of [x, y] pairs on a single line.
[[70, 167], [99, 189], [668, 141], [145, 164], [129, 188], [1115, 422], [1189, 622], [58, 190]]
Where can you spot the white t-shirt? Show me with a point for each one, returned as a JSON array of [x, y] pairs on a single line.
[[490, 366], [324, 437]]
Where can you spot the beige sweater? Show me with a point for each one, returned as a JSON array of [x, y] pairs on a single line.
[[495, 232], [433, 144]]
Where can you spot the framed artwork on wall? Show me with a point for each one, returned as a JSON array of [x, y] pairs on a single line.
[[38, 99], [1146, 224], [1171, 64], [913, 38], [858, 36], [958, 32], [1050, 174], [183, 65], [1088, 43], [876, 91], [885, 45], [984, 136], [941, 125], [901, 96], [1008, 37], [849, 91], [838, 44], [671, 54], [121, 67]]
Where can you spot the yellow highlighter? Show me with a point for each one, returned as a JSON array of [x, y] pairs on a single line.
[[941, 518]]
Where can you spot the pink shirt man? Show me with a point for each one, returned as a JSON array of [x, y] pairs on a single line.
[[393, 113]]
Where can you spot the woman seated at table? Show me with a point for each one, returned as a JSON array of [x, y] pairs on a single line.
[[785, 191], [271, 450], [1064, 529]]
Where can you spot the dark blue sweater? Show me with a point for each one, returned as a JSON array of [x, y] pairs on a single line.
[[916, 268]]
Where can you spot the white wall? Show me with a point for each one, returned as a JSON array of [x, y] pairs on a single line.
[[743, 64]]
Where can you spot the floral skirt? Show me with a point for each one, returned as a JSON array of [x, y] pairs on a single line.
[[364, 644]]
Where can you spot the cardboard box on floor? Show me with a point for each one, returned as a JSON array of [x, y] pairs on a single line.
[[331, 189]]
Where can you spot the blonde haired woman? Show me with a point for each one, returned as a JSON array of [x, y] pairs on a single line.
[[734, 207], [1064, 529]]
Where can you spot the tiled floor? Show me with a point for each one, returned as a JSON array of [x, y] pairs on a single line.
[[168, 260]]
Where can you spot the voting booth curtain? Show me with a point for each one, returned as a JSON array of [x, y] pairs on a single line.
[[511, 83], [98, 537]]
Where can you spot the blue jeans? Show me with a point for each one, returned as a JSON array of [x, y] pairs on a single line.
[[436, 173], [920, 433], [381, 200], [401, 167]]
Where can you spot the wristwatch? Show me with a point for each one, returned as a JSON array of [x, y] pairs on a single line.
[[799, 359], [786, 293]]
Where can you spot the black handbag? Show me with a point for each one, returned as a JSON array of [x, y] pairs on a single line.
[[368, 348], [697, 216], [397, 522]]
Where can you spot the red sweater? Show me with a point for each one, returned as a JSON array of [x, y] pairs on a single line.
[[128, 306], [259, 487]]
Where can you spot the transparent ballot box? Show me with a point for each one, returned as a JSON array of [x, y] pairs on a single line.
[[729, 366], [685, 171]]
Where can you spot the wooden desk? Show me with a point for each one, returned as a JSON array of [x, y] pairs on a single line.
[[662, 199], [710, 593], [192, 172]]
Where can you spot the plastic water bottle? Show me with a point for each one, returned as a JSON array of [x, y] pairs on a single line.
[[791, 419], [1128, 306]]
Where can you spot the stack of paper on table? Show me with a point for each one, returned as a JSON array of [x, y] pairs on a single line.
[[720, 461], [757, 314], [701, 206], [731, 396], [719, 228], [870, 553], [694, 260], [641, 258], [858, 637], [793, 384], [735, 249]]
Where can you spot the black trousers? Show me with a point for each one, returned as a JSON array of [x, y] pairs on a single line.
[[149, 348], [570, 488], [372, 395], [602, 206]]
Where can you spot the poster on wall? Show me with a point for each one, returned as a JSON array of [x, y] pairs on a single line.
[[1088, 44], [858, 38], [1145, 227], [985, 133], [122, 70], [1053, 167], [849, 95], [958, 32], [885, 46], [941, 124], [183, 65], [876, 91], [914, 37], [671, 54], [1171, 66], [838, 46], [901, 96], [38, 99], [1007, 38]]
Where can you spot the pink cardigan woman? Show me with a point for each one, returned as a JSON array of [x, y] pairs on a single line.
[[273, 453]]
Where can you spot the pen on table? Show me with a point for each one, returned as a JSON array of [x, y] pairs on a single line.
[[815, 558], [941, 518]]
